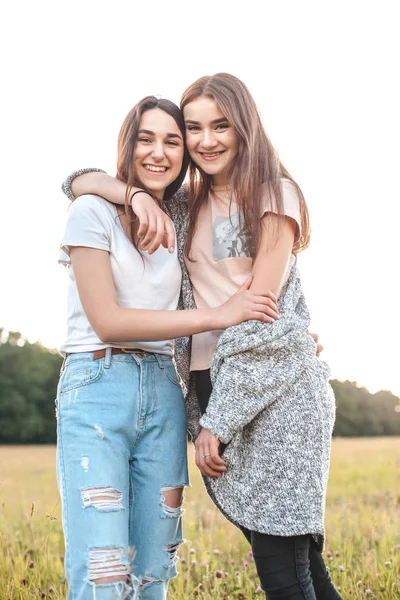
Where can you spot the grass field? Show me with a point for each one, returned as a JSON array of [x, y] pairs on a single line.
[[362, 521]]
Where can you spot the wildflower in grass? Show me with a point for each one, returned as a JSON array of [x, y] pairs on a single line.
[[250, 554], [183, 560], [218, 574], [245, 564], [192, 551], [31, 564], [337, 553], [258, 590], [216, 551], [51, 590], [369, 593], [341, 568], [194, 563], [359, 584], [388, 563]]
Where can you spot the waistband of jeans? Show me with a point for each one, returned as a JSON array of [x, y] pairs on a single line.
[[140, 356]]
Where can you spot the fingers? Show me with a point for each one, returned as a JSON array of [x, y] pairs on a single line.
[[143, 220], [158, 237], [208, 459], [266, 305], [266, 294], [246, 285], [316, 340], [169, 230], [156, 230], [150, 233], [211, 465], [260, 316]]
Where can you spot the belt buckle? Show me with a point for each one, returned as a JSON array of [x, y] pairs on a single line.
[[139, 353]]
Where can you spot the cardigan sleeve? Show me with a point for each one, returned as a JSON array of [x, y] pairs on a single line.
[[67, 183], [250, 382]]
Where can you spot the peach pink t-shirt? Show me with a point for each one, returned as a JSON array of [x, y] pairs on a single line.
[[222, 261]]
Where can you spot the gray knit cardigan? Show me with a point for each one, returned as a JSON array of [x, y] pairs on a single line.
[[271, 405]]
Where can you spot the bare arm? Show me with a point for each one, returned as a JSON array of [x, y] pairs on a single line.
[[93, 275], [100, 184], [273, 255]]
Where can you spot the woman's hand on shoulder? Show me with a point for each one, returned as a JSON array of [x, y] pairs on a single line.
[[247, 305], [155, 227], [208, 458]]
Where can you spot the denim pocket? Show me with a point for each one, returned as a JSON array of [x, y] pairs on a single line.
[[78, 375], [171, 373]]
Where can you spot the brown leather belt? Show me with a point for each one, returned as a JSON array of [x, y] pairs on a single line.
[[97, 354]]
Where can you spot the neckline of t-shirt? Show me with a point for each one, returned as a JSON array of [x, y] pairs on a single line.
[[221, 188]]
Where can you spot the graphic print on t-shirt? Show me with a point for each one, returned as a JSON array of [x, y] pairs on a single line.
[[229, 239]]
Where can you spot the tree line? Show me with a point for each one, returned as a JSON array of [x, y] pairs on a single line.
[[28, 381]]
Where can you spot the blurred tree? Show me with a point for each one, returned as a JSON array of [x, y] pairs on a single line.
[[28, 381]]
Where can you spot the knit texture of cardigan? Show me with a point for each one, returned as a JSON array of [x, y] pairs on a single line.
[[271, 405]]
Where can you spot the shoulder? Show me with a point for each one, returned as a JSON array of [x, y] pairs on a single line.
[[289, 191], [90, 204]]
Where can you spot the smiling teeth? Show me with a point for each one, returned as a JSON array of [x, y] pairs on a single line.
[[211, 154], [155, 169]]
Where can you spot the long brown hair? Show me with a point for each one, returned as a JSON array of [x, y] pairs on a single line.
[[127, 140], [256, 171]]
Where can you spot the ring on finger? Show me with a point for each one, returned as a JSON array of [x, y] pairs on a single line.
[[204, 455]]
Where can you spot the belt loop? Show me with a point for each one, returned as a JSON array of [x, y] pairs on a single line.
[[160, 362], [63, 364], [107, 358]]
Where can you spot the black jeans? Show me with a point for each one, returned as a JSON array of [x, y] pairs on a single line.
[[289, 568]]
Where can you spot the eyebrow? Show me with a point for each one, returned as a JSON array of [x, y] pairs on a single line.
[[149, 132], [215, 122]]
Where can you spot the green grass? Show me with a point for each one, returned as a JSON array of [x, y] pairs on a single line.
[[362, 521]]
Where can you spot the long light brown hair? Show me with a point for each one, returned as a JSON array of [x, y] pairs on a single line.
[[127, 140], [255, 172]]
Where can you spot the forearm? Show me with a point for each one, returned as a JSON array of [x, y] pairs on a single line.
[[127, 324], [100, 184]]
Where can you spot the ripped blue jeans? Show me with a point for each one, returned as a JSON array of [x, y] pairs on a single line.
[[121, 467]]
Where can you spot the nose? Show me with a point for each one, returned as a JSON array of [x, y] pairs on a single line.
[[158, 151], [209, 140]]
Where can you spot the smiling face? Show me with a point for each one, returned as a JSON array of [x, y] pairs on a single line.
[[211, 140], [159, 151]]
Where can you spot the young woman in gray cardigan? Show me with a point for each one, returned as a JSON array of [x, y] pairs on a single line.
[[259, 404]]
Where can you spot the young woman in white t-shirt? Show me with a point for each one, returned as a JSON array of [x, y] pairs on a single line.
[[121, 450], [246, 216]]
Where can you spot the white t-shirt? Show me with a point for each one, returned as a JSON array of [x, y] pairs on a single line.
[[151, 283]]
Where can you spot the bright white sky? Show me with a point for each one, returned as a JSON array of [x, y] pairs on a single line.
[[324, 76]]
